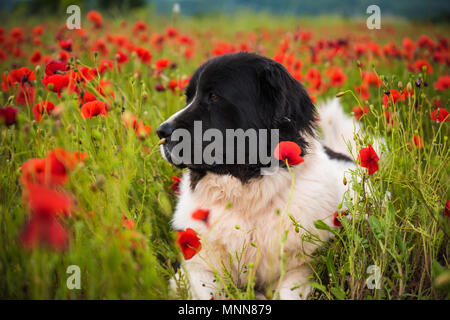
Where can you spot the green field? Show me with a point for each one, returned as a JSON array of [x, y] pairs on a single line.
[[118, 228]]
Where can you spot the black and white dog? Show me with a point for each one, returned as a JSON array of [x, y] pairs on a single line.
[[248, 91]]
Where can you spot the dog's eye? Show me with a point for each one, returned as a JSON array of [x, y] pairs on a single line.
[[213, 97]]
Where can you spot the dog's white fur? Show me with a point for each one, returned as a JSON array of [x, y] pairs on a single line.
[[317, 191]]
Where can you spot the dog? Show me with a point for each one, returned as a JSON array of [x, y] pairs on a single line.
[[250, 212]]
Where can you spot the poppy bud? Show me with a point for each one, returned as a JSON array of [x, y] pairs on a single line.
[[340, 94], [409, 87]]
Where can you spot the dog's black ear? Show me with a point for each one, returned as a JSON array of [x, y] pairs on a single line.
[[272, 85], [292, 110]]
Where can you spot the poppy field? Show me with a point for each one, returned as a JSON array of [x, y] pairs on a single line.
[[83, 183]]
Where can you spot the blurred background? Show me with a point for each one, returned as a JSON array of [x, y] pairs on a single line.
[[429, 10]]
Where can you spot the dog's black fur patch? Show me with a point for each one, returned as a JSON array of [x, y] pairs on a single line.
[[195, 176], [336, 155], [245, 90]]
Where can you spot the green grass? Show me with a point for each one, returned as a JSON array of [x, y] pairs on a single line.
[[406, 235]]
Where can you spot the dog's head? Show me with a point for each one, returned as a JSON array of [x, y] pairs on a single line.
[[237, 91]]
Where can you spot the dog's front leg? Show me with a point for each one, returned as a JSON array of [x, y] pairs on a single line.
[[201, 281], [295, 284]]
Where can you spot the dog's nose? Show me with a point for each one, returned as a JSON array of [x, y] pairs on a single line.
[[164, 130]]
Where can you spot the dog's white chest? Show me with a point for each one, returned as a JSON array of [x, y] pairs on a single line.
[[251, 224]]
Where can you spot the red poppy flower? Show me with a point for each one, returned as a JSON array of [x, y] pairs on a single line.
[[417, 141], [371, 79], [175, 187], [290, 151], [393, 97], [93, 108], [171, 32], [436, 102], [337, 77], [16, 34], [128, 223], [41, 108], [408, 46], [63, 56], [36, 57], [56, 83], [21, 76], [100, 46], [189, 243], [440, 115], [45, 206], [359, 112], [105, 88], [142, 130], [443, 83], [48, 231], [25, 94], [45, 202], [368, 158], [59, 162], [419, 64], [144, 55], [3, 55], [312, 74], [33, 171], [337, 216], [161, 64], [172, 85], [105, 65], [54, 67], [297, 75], [86, 96], [130, 120], [363, 91], [425, 41], [38, 30], [121, 57], [80, 156], [53, 170], [407, 93], [201, 215], [139, 26], [87, 74], [96, 18], [8, 115], [65, 45]]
